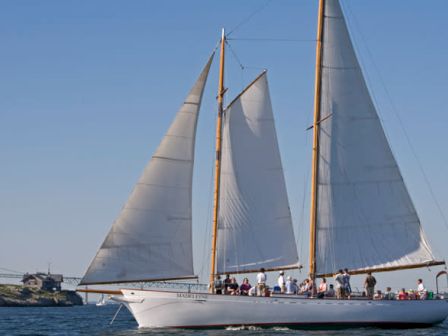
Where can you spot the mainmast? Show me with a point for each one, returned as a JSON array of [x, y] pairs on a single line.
[[221, 92], [315, 162]]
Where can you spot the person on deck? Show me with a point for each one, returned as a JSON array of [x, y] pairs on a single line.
[[330, 291], [218, 285], [261, 282], [291, 286], [378, 295], [227, 282], [339, 282], [307, 288], [322, 290], [281, 282], [233, 287], [347, 286], [421, 290], [388, 294], [369, 285], [403, 295], [245, 287]]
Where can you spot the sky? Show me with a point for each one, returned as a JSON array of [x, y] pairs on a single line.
[[88, 89]]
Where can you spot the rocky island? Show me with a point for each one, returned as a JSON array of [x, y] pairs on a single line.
[[21, 296]]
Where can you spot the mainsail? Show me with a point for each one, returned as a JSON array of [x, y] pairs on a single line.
[[254, 225], [152, 237], [365, 216]]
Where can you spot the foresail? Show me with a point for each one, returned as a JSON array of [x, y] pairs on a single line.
[[152, 237], [365, 216], [254, 223]]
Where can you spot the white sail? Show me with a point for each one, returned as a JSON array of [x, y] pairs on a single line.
[[152, 237], [365, 216], [254, 223]]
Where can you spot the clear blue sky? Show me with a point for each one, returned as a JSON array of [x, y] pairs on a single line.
[[88, 88]]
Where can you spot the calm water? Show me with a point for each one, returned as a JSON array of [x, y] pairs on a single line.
[[92, 320]]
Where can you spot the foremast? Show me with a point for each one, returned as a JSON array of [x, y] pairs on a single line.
[[217, 181], [315, 159]]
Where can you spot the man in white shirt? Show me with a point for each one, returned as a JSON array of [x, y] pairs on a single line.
[[261, 282], [281, 282], [421, 289]]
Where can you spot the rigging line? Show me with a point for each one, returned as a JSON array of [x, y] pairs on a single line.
[[249, 17], [237, 59], [269, 39], [401, 123], [10, 270]]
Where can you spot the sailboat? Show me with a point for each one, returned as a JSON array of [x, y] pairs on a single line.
[[359, 204], [102, 301]]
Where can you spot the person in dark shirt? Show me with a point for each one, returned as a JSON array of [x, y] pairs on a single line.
[[227, 282], [233, 288], [218, 285]]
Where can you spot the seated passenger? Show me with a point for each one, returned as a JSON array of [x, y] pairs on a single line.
[[245, 287], [227, 282], [322, 289], [233, 287], [412, 295], [388, 294], [307, 288], [276, 289], [331, 292], [291, 286], [378, 295], [403, 295], [252, 291], [218, 285]]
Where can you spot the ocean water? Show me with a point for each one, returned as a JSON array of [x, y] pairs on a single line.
[[93, 320]]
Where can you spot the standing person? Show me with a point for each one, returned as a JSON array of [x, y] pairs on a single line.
[[261, 282], [281, 282], [227, 282], [218, 285], [347, 286], [369, 285], [339, 282], [421, 290]]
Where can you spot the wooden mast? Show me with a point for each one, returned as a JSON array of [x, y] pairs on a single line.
[[221, 91], [315, 161]]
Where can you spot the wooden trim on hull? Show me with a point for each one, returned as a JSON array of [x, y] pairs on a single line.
[[386, 269], [318, 325]]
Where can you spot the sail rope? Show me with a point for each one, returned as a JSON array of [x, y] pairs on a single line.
[[249, 17], [400, 121], [256, 39]]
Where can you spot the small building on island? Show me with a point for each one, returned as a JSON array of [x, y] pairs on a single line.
[[43, 281]]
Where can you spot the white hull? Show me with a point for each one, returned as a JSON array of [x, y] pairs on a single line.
[[162, 309]]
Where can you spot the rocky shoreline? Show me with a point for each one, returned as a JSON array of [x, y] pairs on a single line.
[[20, 296]]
